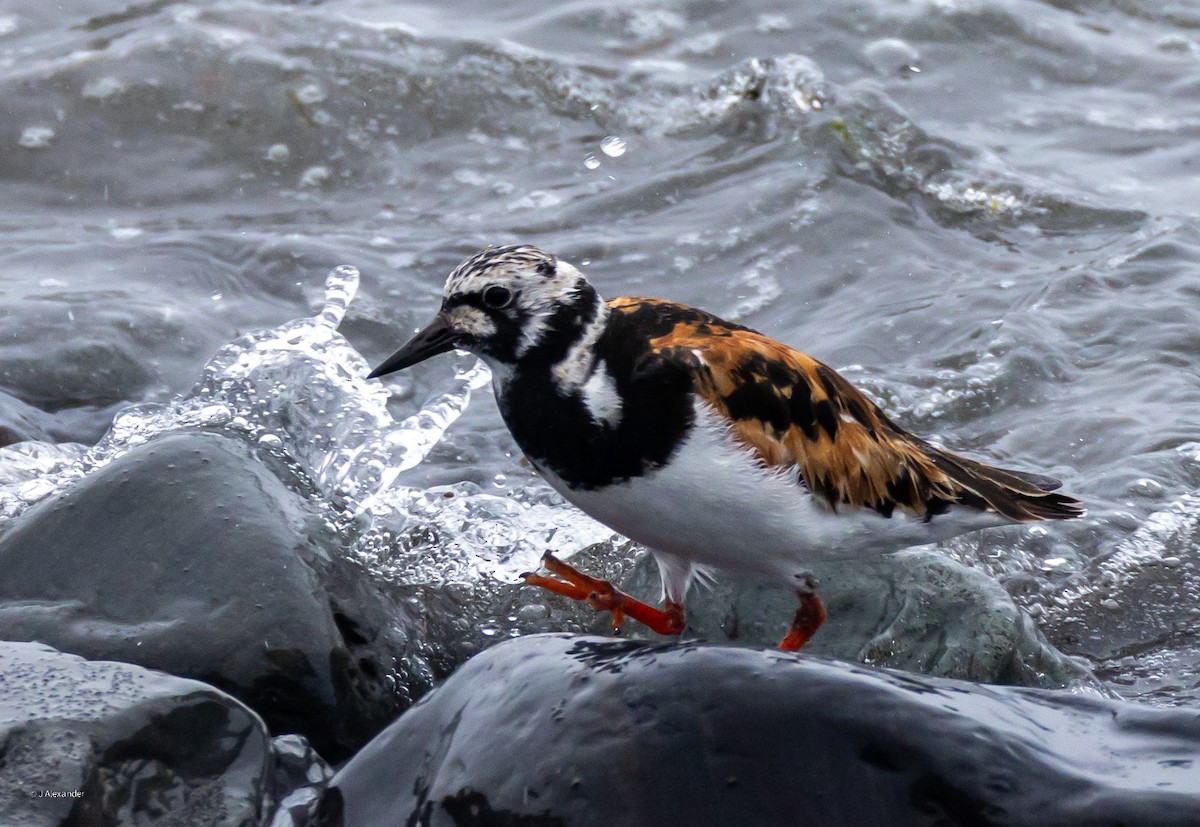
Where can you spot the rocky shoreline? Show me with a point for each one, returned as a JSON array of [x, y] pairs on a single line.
[[207, 628]]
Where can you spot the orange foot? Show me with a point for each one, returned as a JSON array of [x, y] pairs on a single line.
[[809, 618], [603, 596]]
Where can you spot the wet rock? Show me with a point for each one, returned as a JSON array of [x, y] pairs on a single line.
[[85, 742], [299, 776], [558, 729], [191, 556], [916, 610], [20, 422], [71, 371]]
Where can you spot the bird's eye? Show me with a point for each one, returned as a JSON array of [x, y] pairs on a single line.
[[496, 296]]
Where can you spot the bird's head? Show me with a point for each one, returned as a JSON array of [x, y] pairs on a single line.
[[505, 304]]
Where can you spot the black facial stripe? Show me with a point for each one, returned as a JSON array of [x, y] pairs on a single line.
[[508, 323], [473, 299], [564, 327], [502, 345]]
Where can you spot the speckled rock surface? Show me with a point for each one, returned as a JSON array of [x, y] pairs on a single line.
[[94, 742]]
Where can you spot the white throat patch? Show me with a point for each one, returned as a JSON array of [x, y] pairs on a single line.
[[576, 366], [601, 397], [580, 370]]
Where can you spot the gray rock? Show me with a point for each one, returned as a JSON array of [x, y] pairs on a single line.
[[299, 777], [63, 381], [190, 555], [569, 730], [915, 610], [85, 742]]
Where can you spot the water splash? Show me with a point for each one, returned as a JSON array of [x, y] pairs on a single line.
[[459, 533], [1162, 550], [300, 389], [788, 86], [881, 140], [340, 287]]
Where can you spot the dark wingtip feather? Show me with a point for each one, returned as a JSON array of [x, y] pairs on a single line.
[[1055, 507], [1018, 495]]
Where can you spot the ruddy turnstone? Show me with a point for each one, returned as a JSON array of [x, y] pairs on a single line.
[[706, 441]]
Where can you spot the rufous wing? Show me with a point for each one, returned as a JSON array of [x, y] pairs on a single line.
[[795, 412]]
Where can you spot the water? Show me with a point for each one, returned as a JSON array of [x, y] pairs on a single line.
[[984, 213]]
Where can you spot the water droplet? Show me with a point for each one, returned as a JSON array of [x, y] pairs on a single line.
[[213, 415], [310, 94], [217, 296], [314, 176], [36, 137], [892, 56], [533, 611], [470, 177], [536, 200], [270, 441], [772, 23], [278, 153], [612, 146], [102, 88], [591, 161]]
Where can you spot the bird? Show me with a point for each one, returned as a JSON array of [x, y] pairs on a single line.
[[711, 444]]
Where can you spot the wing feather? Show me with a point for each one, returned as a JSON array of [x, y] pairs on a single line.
[[796, 413]]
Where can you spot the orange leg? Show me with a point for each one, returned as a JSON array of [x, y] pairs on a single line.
[[603, 596], [809, 618]]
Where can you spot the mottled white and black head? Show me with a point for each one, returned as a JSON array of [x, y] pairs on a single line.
[[509, 305]]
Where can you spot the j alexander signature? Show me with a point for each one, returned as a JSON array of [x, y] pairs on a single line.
[[56, 793]]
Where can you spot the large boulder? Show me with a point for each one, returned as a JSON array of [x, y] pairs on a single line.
[[574, 730], [84, 742], [192, 556]]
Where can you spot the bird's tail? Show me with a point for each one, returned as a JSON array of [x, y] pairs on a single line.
[[1018, 495]]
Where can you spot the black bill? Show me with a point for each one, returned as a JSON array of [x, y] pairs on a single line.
[[434, 339]]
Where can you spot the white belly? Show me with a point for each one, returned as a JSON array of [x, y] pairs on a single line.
[[715, 505]]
